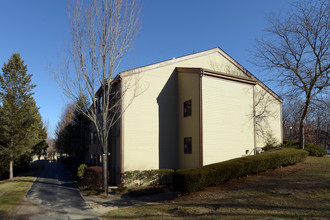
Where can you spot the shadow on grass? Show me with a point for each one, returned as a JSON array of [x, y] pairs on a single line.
[[224, 215], [234, 206], [151, 194], [23, 180], [33, 171], [300, 192], [35, 168], [227, 211], [3, 215]]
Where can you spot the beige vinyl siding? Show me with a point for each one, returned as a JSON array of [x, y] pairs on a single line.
[[141, 121], [269, 117], [189, 126], [150, 135], [220, 64], [227, 119]]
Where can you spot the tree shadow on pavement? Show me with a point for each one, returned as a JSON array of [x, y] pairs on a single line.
[[35, 168]]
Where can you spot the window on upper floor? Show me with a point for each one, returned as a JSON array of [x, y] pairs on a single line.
[[187, 108]]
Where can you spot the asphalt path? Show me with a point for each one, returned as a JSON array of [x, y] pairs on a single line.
[[57, 197]]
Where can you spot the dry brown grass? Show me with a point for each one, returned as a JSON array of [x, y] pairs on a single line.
[[300, 191]]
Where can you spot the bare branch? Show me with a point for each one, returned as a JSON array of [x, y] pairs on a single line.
[[102, 31], [297, 52]]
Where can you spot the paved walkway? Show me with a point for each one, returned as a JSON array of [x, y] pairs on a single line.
[[54, 196]]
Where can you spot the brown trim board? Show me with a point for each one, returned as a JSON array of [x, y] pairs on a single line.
[[121, 135], [226, 76], [254, 122], [201, 150], [281, 122]]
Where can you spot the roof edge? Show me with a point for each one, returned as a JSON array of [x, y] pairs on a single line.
[[195, 55], [216, 74], [167, 62]]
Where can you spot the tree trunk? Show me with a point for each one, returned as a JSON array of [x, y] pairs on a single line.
[[11, 171], [11, 162], [302, 121], [105, 173], [301, 134]]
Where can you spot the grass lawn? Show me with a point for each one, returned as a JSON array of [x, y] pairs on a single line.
[[14, 191], [301, 191]]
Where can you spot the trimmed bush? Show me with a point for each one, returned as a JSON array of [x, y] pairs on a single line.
[[313, 150], [147, 178], [93, 176], [192, 180]]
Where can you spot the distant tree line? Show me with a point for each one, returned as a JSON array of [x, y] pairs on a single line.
[[22, 132], [72, 132], [317, 125]]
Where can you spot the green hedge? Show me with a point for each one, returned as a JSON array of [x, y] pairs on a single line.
[[147, 178], [192, 180], [313, 149]]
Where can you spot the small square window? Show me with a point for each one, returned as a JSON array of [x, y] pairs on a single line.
[[187, 145], [187, 108]]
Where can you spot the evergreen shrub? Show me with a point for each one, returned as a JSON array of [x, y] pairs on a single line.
[[4, 167], [313, 150], [147, 178], [192, 180], [81, 171]]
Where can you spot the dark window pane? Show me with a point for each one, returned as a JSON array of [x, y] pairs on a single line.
[[187, 108], [187, 145]]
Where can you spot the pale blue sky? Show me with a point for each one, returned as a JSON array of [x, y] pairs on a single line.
[[39, 30]]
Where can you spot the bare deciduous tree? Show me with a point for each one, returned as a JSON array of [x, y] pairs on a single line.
[[102, 32], [264, 112], [297, 51], [291, 117], [317, 125], [321, 118]]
